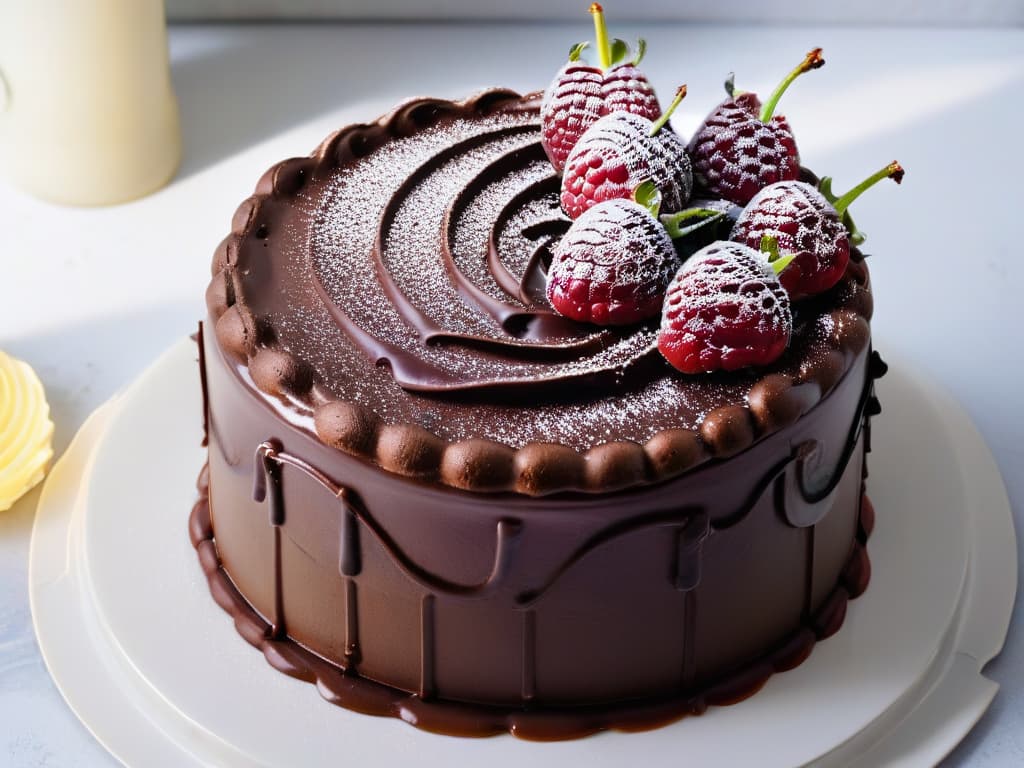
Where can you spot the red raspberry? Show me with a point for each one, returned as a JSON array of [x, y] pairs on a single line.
[[740, 106], [581, 94], [626, 89], [616, 155], [804, 223], [612, 266], [724, 310], [735, 160], [743, 146], [807, 224]]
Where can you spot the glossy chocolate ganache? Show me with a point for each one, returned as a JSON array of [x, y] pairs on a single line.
[[441, 501]]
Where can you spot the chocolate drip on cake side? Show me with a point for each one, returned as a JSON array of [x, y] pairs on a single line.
[[532, 723], [691, 524], [691, 527], [350, 566], [689, 546], [267, 487]]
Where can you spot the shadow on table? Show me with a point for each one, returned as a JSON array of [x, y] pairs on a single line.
[[82, 366], [240, 85]]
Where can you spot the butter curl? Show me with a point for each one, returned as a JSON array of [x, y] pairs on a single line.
[[26, 432]]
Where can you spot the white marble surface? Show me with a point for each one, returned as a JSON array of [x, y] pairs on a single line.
[[89, 297]]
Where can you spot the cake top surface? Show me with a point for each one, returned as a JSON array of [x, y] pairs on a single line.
[[388, 293]]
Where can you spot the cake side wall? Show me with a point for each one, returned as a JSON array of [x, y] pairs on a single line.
[[600, 598]]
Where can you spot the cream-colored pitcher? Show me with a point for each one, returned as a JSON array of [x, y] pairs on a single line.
[[87, 111]]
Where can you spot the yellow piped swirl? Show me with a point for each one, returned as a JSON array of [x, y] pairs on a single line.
[[26, 432]]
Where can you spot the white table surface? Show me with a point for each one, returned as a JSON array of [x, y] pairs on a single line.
[[90, 297]]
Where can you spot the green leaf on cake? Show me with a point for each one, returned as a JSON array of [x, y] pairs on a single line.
[[689, 220], [577, 50], [649, 196], [620, 50], [641, 49], [825, 187]]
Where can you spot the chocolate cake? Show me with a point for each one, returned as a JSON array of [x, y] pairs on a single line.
[[439, 500]]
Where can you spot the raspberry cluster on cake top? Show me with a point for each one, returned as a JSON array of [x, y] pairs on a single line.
[[464, 296]]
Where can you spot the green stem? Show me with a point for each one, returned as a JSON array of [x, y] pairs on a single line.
[[782, 262], [769, 246], [811, 61], [676, 223], [893, 170], [604, 48], [641, 49], [660, 122], [648, 195]]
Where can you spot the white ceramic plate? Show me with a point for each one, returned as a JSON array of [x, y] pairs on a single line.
[[157, 672]]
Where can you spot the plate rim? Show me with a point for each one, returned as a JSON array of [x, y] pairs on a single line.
[[58, 505]]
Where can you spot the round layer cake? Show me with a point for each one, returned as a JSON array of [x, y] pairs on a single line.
[[439, 500]]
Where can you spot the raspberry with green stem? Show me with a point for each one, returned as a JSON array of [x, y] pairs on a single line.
[[582, 93], [812, 225], [743, 146], [724, 310], [621, 151]]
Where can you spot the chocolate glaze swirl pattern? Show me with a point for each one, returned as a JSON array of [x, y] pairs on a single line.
[[445, 306]]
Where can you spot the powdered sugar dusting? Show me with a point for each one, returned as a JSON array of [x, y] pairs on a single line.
[[626, 89], [735, 155], [411, 255], [580, 94], [330, 234], [474, 224], [612, 266], [572, 103], [793, 212], [514, 248]]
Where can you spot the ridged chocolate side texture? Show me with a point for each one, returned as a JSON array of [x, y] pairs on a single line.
[[524, 373]]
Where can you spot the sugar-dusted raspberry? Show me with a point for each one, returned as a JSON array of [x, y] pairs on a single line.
[[804, 224], [736, 160], [581, 93], [724, 310], [742, 146], [807, 225], [612, 265], [620, 152]]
